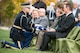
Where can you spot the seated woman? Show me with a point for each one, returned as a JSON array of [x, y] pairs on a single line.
[[59, 12]]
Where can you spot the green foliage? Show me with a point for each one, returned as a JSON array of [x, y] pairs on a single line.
[[9, 9]]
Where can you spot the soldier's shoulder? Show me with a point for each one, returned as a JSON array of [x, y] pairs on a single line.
[[20, 14]]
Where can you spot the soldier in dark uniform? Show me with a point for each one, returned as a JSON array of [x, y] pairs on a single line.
[[22, 32]]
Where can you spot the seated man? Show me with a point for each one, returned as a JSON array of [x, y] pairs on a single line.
[[40, 21], [64, 26]]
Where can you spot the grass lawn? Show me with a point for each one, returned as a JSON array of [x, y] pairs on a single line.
[[4, 35]]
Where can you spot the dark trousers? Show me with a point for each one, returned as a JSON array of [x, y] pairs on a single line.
[[46, 38], [23, 44]]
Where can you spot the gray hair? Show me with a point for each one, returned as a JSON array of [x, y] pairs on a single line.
[[42, 10]]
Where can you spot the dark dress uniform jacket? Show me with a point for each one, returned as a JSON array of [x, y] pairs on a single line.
[[17, 34], [65, 25]]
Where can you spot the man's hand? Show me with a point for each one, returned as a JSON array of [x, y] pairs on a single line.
[[76, 19], [51, 30]]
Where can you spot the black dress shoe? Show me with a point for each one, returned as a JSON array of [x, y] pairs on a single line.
[[2, 43], [41, 50]]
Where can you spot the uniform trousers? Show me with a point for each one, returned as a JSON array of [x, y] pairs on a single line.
[[22, 44]]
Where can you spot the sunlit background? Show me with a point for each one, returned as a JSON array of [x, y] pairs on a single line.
[[9, 9]]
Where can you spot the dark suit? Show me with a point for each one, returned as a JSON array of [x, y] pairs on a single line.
[[65, 24], [78, 11], [51, 14], [76, 15]]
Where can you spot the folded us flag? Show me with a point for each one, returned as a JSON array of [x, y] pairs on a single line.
[[39, 27]]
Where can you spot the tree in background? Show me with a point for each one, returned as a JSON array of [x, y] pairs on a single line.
[[9, 9], [17, 4], [3, 5]]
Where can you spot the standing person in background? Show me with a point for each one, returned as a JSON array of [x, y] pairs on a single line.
[[75, 11], [78, 19], [21, 32], [51, 13], [39, 4]]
